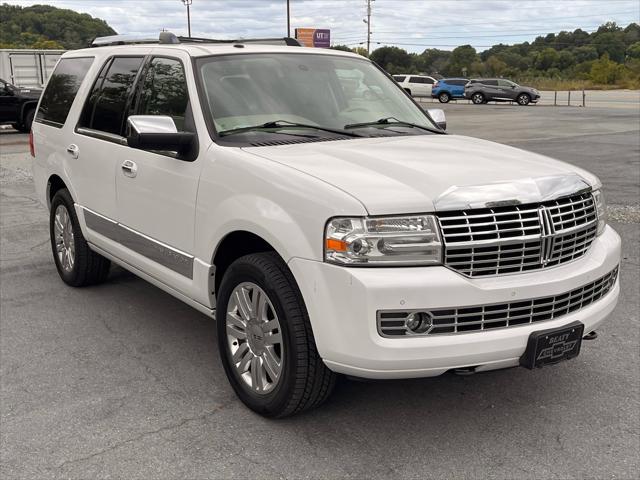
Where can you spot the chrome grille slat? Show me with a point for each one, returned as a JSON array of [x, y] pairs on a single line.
[[518, 238], [475, 318]]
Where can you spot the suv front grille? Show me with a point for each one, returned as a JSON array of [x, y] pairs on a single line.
[[518, 238], [392, 323]]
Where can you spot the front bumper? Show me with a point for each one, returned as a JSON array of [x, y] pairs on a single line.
[[342, 304]]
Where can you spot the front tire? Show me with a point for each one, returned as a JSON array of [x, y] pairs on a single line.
[[265, 339], [444, 97], [477, 98], [77, 264], [524, 99]]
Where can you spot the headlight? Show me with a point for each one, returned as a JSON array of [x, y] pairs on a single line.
[[601, 210], [411, 240]]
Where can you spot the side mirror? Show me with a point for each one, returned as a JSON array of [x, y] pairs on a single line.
[[159, 133], [438, 116]]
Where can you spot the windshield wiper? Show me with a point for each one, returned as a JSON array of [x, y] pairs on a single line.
[[285, 124], [385, 121]]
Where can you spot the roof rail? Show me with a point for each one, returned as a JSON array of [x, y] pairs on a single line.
[[170, 39]]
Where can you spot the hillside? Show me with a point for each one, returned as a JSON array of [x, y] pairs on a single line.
[[43, 26], [608, 56]]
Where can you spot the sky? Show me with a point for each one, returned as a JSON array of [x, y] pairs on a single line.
[[410, 24]]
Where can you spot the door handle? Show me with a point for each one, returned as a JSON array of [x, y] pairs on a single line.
[[73, 150], [129, 168]]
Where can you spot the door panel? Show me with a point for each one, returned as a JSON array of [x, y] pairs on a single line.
[[8, 104], [159, 199], [99, 140]]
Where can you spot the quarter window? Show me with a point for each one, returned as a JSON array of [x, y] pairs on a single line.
[[62, 89], [164, 91], [399, 78], [107, 104]]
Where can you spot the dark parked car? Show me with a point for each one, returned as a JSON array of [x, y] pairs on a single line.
[[448, 88], [18, 105], [499, 90]]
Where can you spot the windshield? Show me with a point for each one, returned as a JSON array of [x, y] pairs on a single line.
[[330, 91]]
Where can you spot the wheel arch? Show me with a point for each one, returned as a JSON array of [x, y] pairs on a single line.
[[54, 183], [234, 245], [26, 106]]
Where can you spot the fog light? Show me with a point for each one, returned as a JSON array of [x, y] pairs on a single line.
[[419, 322]]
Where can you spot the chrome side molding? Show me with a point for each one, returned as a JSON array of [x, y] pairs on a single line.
[[165, 255]]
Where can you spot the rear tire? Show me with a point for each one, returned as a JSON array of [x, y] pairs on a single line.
[[77, 264], [265, 339], [478, 98], [444, 97]]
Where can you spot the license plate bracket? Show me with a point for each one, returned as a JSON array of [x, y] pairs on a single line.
[[546, 347]]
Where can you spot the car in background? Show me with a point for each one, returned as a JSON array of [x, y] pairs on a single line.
[[484, 90], [18, 105], [448, 88], [416, 85]]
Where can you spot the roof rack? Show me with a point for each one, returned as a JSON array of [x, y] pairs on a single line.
[[168, 38]]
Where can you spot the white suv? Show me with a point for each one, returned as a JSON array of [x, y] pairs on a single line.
[[416, 85], [328, 232]]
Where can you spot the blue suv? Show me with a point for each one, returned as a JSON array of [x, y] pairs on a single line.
[[448, 88]]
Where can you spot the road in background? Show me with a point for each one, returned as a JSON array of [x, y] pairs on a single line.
[[123, 380]]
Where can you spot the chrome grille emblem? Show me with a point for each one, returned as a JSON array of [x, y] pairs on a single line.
[[547, 235]]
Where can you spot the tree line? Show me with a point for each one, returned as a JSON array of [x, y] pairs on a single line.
[[608, 56], [47, 27]]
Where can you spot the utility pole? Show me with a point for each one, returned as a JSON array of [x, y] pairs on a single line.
[[188, 4], [288, 20], [368, 22]]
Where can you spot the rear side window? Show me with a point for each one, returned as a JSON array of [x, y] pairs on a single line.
[[457, 82], [62, 89], [164, 91], [107, 104], [493, 83]]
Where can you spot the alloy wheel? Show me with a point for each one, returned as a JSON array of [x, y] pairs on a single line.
[[254, 338], [64, 239]]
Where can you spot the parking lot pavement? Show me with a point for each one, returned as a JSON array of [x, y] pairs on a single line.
[[122, 380]]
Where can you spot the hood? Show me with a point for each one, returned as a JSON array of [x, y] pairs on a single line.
[[395, 175]]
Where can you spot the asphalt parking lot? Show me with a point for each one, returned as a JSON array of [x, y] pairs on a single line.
[[123, 380]]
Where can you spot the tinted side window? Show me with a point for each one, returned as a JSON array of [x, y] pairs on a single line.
[[493, 83], [62, 89], [427, 80], [399, 78], [505, 83], [105, 109], [415, 80], [164, 91], [457, 82]]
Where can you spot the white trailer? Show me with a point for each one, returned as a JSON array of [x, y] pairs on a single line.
[[28, 68]]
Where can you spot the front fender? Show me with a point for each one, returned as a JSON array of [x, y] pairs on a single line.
[[266, 219], [285, 207]]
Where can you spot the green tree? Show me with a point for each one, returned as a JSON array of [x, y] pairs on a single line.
[[393, 59], [605, 71], [546, 59], [34, 26], [461, 59]]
